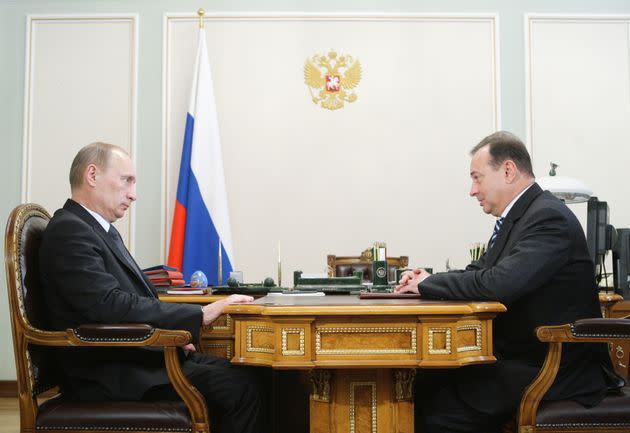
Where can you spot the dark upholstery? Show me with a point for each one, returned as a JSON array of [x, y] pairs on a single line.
[[45, 372], [120, 415], [112, 332], [349, 270], [614, 410], [614, 328]]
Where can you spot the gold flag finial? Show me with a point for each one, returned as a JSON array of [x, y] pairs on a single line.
[[201, 13]]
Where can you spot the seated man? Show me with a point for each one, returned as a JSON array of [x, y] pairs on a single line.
[[88, 276], [538, 266]]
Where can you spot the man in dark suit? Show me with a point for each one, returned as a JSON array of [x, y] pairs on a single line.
[[88, 276], [538, 266]]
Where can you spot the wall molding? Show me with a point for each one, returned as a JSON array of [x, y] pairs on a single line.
[[31, 22], [528, 21]]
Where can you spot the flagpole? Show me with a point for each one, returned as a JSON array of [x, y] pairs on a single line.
[[202, 139], [220, 267], [201, 13]]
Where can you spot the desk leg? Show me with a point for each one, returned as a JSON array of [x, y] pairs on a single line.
[[361, 401]]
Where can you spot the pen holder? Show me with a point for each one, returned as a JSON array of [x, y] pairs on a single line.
[[379, 273], [477, 250]]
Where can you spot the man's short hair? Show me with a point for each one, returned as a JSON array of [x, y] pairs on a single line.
[[97, 153], [504, 145]]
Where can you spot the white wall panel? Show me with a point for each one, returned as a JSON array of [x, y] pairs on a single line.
[[579, 104], [80, 87], [392, 166]]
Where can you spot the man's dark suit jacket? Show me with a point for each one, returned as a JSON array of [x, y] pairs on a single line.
[[86, 279], [539, 268]]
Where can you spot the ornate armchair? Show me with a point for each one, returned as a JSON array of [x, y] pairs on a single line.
[[344, 266], [611, 415], [36, 369]]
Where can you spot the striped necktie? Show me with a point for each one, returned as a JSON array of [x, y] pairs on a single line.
[[495, 232]]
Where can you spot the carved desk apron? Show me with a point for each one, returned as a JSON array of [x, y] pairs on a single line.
[[362, 353]]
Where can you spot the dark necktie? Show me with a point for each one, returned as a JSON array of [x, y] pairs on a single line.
[[495, 232], [113, 233]]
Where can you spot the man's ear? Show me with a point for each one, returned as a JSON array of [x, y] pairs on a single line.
[[509, 171], [90, 174]]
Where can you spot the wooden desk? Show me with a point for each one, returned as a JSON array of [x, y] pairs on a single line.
[[361, 354]]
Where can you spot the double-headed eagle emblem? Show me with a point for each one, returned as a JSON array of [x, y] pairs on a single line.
[[331, 80]]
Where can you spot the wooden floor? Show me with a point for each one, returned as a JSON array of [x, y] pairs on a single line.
[[9, 415]]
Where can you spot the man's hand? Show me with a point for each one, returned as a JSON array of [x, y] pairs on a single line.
[[189, 347], [214, 310], [409, 281]]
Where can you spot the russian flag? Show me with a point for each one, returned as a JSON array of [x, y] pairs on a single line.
[[201, 219]]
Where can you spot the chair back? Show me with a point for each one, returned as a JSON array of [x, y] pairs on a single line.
[[35, 365]]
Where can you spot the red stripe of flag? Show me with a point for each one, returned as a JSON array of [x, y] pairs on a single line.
[[176, 249]]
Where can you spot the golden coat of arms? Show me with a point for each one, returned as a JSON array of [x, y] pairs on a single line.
[[331, 79]]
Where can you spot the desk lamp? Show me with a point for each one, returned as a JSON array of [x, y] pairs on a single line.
[[567, 189]]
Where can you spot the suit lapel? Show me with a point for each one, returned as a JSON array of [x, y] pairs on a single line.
[[517, 211], [79, 211], [500, 241]]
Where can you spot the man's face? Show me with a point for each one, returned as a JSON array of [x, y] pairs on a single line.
[[115, 187], [488, 185]]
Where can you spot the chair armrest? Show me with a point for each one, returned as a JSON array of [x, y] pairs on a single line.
[[114, 332], [98, 335], [140, 334], [602, 328], [134, 335], [129, 334], [586, 331], [195, 402]]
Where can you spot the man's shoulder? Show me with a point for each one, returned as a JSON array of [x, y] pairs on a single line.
[[548, 207], [547, 201], [63, 216], [65, 223]]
